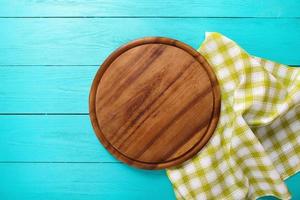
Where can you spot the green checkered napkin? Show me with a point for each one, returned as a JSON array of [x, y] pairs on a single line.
[[256, 144]]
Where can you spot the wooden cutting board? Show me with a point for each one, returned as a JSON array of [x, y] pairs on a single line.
[[154, 103]]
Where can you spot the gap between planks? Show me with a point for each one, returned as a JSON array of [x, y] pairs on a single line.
[[58, 114], [57, 162], [55, 65], [134, 17]]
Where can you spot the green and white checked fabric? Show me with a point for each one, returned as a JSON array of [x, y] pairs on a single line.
[[256, 144]]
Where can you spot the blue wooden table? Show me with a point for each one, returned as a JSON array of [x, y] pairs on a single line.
[[49, 53]]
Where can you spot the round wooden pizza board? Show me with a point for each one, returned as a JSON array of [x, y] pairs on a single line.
[[154, 103]]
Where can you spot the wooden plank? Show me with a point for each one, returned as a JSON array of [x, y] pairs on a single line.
[[81, 181], [185, 8], [45, 89], [34, 162], [293, 185], [91, 181], [88, 41], [50, 139]]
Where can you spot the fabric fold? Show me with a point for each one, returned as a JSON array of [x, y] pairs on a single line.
[[256, 144]]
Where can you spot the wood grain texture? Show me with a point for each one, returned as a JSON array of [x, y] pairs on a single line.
[[31, 168], [45, 42], [60, 89], [67, 94], [150, 8], [89, 41], [266, 28], [149, 92], [50, 138], [90, 181]]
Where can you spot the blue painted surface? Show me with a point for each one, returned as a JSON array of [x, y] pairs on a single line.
[[49, 53]]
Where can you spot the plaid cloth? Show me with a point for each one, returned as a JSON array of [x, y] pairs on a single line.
[[256, 144]]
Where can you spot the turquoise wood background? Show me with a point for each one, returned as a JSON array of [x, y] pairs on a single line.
[[49, 53]]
